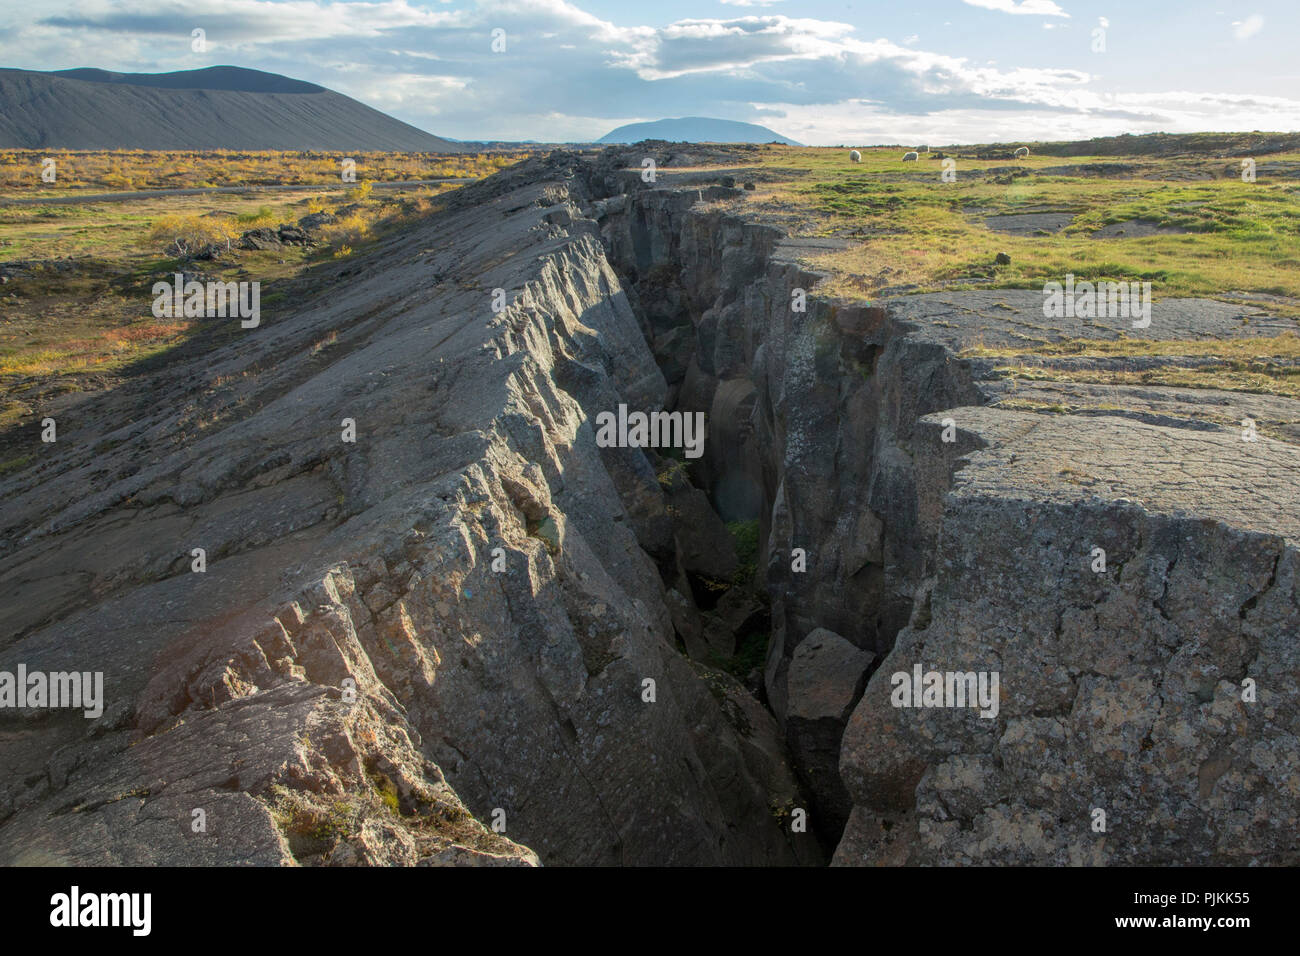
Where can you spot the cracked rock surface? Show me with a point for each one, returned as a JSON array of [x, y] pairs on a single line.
[[351, 680], [1160, 692], [474, 614]]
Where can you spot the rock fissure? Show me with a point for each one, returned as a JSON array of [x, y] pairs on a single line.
[[719, 329], [784, 450], [459, 639]]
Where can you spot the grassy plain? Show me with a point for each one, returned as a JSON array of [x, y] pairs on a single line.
[[75, 309], [1215, 232], [131, 170], [75, 301], [1191, 224]]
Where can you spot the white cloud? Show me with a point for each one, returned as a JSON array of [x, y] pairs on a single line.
[[692, 46], [858, 122], [749, 3], [1036, 8], [397, 93], [1247, 28], [231, 22], [568, 74]]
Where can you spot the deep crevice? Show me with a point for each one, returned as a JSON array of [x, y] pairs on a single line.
[[689, 294]]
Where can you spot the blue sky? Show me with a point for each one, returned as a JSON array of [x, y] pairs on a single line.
[[933, 71]]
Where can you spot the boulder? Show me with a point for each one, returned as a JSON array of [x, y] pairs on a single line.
[[827, 675], [211, 251], [293, 236], [264, 239], [315, 220], [826, 678]]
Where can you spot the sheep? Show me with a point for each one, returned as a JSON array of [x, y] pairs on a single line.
[[1021, 153], [910, 157], [855, 157]]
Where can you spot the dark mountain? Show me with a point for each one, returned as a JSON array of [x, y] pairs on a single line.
[[221, 107], [695, 129]]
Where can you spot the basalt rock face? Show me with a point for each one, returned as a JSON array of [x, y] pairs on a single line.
[[1124, 558], [950, 515], [1158, 691], [809, 413], [458, 617]]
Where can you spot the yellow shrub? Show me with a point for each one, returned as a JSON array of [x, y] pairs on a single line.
[[349, 229], [185, 234]]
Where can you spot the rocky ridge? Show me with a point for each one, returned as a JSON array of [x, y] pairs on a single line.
[[914, 507], [366, 569]]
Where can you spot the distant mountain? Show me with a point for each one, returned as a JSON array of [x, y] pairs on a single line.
[[695, 129], [221, 107]]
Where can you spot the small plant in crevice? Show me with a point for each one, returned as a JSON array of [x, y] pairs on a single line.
[[673, 471], [745, 536], [547, 531], [386, 791], [751, 653]]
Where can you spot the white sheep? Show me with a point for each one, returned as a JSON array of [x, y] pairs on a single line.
[[910, 157], [1021, 153], [855, 157]]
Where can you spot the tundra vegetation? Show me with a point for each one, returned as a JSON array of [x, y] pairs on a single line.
[[75, 304], [137, 169], [1202, 231], [1215, 235], [74, 311]]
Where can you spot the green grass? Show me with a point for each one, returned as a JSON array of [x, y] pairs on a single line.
[[1244, 237], [909, 229], [15, 464], [751, 653], [260, 214]]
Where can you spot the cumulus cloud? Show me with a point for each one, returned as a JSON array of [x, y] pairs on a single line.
[[1036, 8], [567, 74], [1247, 28], [243, 21]]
